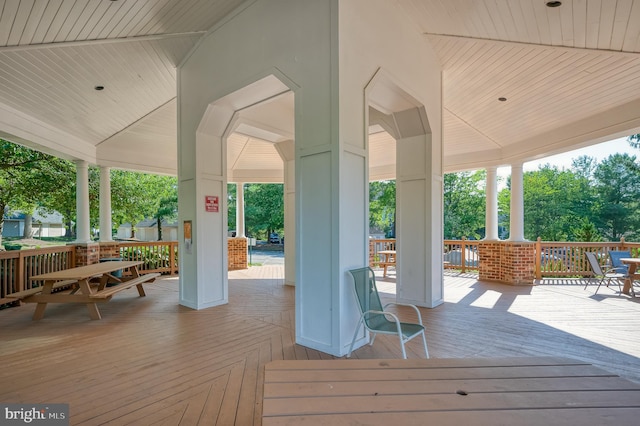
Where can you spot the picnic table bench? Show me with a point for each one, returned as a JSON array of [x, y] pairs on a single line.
[[81, 278]]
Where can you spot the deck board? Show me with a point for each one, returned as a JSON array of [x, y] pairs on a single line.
[[312, 391], [151, 360]]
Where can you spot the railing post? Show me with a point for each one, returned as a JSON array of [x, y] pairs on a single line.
[[20, 278], [172, 257], [463, 254], [621, 243], [538, 260]]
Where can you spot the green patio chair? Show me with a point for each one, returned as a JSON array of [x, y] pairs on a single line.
[[601, 275], [376, 319]]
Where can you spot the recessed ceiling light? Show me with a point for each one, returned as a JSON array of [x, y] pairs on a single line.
[[553, 3], [502, 99], [98, 88]]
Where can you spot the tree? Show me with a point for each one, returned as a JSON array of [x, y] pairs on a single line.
[[264, 209], [552, 200], [464, 204], [382, 206], [26, 177], [616, 183]]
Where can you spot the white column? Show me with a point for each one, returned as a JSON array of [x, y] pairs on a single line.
[[105, 204], [83, 234], [289, 212], [491, 218], [240, 210], [516, 232]]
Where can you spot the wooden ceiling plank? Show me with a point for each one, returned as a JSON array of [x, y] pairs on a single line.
[[621, 21], [149, 14], [32, 23], [607, 16], [58, 20], [555, 25], [12, 74], [6, 21], [133, 17], [529, 16], [633, 30], [526, 33], [79, 24], [62, 78], [593, 23], [584, 98], [102, 19], [97, 16], [580, 23], [567, 22], [495, 30], [159, 16], [120, 14], [542, 21], [507, 21], [77, 17], [20, 22]]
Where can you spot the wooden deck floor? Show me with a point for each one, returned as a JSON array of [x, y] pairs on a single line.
[[151, 361]]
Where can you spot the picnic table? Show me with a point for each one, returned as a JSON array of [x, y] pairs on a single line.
[[632, 274], [387, 258], [81, 279]]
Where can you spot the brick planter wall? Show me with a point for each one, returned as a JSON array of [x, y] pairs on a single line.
[[507, 262], [237, 254]]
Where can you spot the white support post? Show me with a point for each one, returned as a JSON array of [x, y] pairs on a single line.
[[240, 210], [105, 204], [491, 218], [516, 232], [83, 234]]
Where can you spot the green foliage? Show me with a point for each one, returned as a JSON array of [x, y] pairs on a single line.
[[616, 183], [464, 204], [382, 206], [264, 209], [27, 176], [586, 231], [552, 200]]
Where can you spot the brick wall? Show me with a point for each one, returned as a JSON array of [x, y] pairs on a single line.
[[87, 253], [237, 254], [507, 262], [109, 250]]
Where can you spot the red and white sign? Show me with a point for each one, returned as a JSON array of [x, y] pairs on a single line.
[[211, 203]]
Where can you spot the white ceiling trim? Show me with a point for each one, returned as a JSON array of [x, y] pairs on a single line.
[[153, 37]]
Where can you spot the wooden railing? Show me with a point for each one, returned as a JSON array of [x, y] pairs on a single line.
[[556, 259], [461, 254], [158, 256], [18, 266], [564, 259]]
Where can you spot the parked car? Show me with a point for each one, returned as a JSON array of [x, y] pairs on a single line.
[[274, 238]]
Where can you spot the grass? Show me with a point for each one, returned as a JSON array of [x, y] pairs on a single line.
[[19, 243]]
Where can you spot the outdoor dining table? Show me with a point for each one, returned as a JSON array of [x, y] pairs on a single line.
[[633, 263], [79, 277], [465, 391], [387, 258]]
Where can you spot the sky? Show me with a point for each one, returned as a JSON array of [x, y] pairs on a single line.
[[599, 151]]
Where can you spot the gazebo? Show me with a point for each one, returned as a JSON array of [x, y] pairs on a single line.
[[323, 95]]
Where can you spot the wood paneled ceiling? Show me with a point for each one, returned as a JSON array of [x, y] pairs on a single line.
[[570, 76]]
